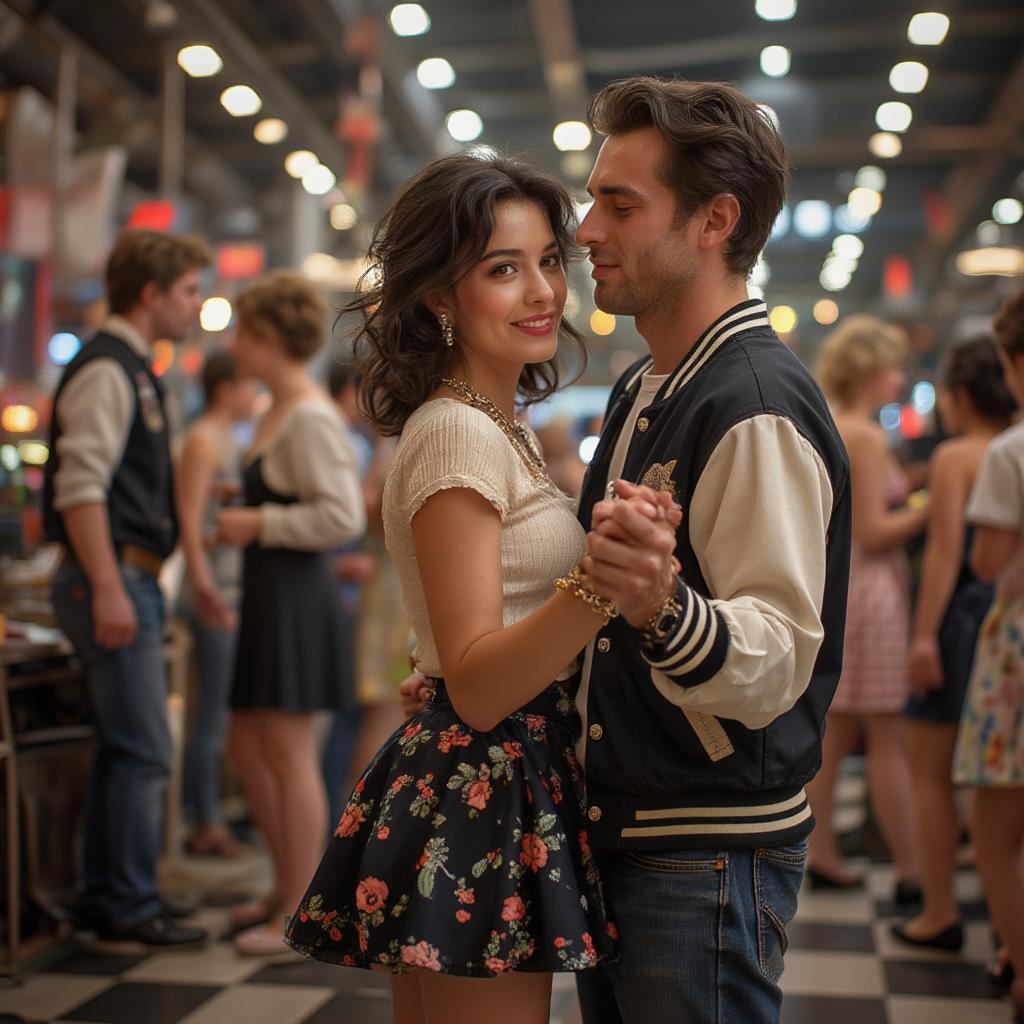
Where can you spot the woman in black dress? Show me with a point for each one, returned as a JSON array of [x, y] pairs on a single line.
[[302, 499]]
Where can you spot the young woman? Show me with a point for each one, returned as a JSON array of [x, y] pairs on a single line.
[[951, 603], [990, 747], [463, 851], [207, 478], [860, 369], [302, 498]]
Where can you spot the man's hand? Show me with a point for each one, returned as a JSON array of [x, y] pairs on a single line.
[[925, 666], [114, 623], [355, 567], [630, 551], [415, 692], [213, 610], [238, 527]]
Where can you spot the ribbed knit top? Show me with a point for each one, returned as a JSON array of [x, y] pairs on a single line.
[[447, 444]]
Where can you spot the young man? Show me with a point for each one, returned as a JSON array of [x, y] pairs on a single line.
[[109, 499], [703, 703]]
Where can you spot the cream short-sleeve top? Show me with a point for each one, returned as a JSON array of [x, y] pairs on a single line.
[[447, 444]]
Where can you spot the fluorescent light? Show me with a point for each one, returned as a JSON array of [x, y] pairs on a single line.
[[435, 73], [845, 264], [464, 125], [1007, 211], [775, 10], [199, 61], [894, 116], [885, 145], [753, 292], [849, 221], [19, 419], [825, 312], [240, 100], [270, 130], [908, 76], [989, 233], [571, 136], [928, 28], [812, 218], [299, 161], [864, 202], [63, 347], [992, 261], [782, 319], [602, 323], [343, 216], [870, 177], [319, 180], [775, 61], [922, 397], [834, 278], [409, 20], [215, 314], [587, 448], [848, 246]]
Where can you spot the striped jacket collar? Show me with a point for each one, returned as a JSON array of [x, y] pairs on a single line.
[[741, 317]]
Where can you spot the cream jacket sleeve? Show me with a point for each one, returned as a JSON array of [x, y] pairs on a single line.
[[758, 521]]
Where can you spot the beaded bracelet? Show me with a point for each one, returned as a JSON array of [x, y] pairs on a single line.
[[576, 584]]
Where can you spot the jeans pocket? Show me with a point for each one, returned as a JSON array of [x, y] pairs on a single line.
[[777, 877]]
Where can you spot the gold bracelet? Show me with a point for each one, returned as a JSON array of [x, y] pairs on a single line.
[[577, 585]]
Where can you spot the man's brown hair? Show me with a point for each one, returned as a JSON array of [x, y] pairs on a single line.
[[141, 255], [1008, 325], [720, 141]]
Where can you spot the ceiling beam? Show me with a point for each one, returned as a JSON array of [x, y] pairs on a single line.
[[555, 30], [128, 114], [969, 182]]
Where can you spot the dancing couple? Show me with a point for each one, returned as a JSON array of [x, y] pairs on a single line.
[[607, 776]]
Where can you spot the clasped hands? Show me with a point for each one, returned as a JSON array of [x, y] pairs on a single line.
[[630, 560]]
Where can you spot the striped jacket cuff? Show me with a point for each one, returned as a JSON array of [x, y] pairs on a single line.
[[697, 647]]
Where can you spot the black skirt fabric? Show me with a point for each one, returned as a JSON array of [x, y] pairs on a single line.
[[463, 852], [295, 641]]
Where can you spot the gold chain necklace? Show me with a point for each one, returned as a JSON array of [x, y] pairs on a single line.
[[517, 434]]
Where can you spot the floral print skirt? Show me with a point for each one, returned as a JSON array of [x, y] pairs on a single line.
[[463, 852], [990, 744]]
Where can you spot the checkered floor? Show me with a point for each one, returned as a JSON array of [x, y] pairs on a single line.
[[842, 967]]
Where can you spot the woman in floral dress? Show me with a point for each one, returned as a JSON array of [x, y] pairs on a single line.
[[463, 853], [990, 746]]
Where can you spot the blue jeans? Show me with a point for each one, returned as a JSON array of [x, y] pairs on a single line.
[[702, 935], [215, 665], [336, 761], [128, 691]]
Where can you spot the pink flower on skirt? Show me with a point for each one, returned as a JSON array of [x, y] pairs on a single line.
[[350, 821], [513, 909], [535, 852], [496, 965], [478, 795], [371, 894], [421, 955]]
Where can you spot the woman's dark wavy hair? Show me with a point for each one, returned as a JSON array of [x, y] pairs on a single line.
[[433, 233], [974, 368]]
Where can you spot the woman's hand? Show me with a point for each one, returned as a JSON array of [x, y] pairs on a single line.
[[238, 527], [415, 692], [925, 667]]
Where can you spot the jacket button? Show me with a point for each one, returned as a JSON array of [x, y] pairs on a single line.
[[596, 732], [594, 814], [604, 645], [642, 424]]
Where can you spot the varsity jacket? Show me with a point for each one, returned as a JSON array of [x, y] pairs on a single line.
[[705, 740], [140, 495]]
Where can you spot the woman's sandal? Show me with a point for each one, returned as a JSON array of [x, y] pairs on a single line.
[[251, 916], [263, 940]]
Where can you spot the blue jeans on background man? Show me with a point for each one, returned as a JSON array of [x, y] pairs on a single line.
[[128, 691], [702, 935], [215, 667]]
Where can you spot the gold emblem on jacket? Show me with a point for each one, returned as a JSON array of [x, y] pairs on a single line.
[[659, 477]]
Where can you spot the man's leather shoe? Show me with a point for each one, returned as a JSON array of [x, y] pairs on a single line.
[[159, 930]]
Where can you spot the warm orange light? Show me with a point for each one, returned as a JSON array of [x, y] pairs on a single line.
[[163, 357], [19, 419]]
